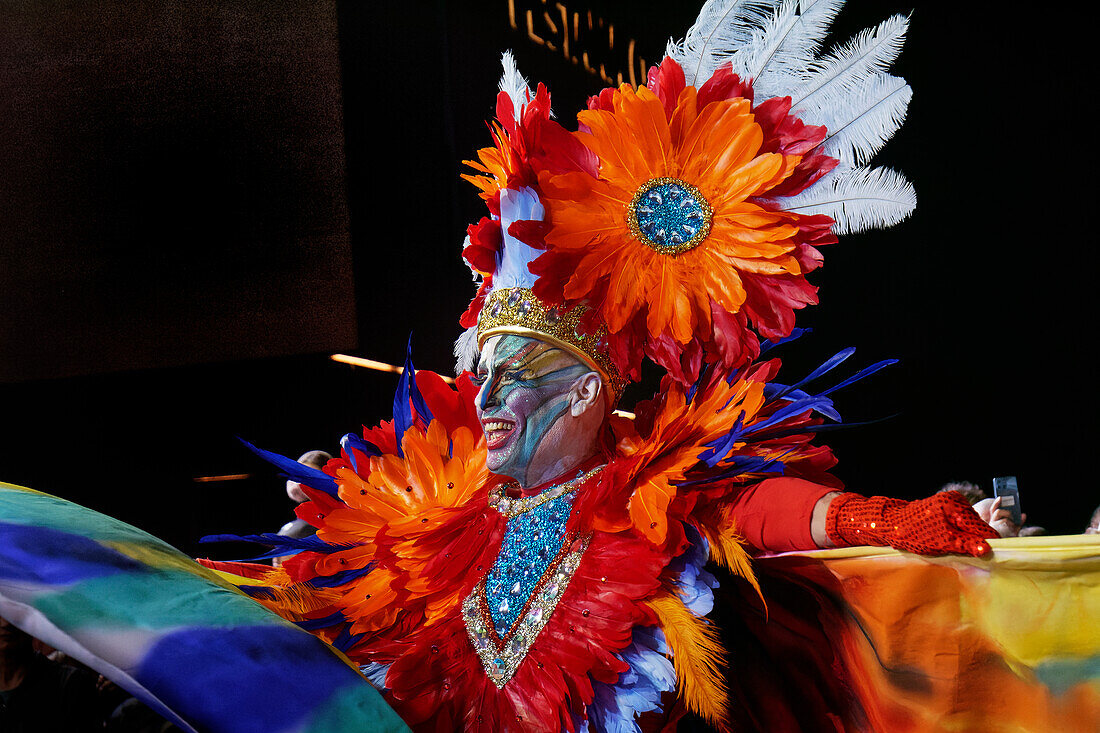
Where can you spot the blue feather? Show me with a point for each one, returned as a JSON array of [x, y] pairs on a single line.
[[417, 399], [829, 364], [693, 582], [776, 391], [790, 410], [303, 474], [616, 707], [865, 372], [767, 344], [739, 465], [771, 435], [698, 382], [313, 624], [281, 545], [346, 640], [275, 540], [352, 443], [408, 402], [375, 674], [337, 579], [720, 447]]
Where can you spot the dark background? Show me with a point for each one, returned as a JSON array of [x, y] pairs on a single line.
[[199, 202]]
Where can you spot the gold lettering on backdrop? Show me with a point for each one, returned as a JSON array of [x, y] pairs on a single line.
[[584, 39]]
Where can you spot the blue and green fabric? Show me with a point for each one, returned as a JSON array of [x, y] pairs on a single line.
[[169, 631]]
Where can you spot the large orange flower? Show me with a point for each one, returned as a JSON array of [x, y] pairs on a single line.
[[677, 241]]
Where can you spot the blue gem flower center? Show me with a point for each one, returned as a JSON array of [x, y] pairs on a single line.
[[669, 215]]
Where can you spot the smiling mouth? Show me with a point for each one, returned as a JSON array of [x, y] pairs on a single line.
[[497, 432]]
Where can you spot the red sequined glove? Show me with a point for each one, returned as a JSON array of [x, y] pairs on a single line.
[[942, 524]]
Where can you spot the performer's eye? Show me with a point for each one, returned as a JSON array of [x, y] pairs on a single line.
[[478, 379]]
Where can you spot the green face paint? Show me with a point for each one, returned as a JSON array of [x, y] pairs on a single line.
[[524, 397]]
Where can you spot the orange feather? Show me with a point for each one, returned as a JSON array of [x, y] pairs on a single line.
[[726, 550], [698, 657]]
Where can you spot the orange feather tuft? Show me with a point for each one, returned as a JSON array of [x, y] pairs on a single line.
[[726, 550], [293, 601], [698, 656]]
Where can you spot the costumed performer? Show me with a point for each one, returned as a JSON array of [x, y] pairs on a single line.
[[511, 554]]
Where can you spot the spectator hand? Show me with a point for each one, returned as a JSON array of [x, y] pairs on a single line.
[[999, 519], [941, 524]]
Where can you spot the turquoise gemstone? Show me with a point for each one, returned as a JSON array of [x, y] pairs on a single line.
[[669, 215], [531, 542]]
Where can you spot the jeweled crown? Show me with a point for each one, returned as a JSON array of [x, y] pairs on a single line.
[[518, 311]]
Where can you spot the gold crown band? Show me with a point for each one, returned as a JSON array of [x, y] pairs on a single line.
[[517, 311]]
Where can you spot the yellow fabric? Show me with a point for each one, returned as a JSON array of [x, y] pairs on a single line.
[[1007, 643]]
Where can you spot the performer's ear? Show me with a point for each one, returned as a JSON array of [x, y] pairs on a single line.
[[586, 394]]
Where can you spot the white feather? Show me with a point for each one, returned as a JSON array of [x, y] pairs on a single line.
[[782, 52], [515, 256], [466, 351], [513, 84], [845, 75], [861, 125], [723, 28], [857, 199]]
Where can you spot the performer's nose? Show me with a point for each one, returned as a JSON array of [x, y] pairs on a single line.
[[486, 397]]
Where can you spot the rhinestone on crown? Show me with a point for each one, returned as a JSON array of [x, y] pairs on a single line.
[[519, 311], [669, 215]]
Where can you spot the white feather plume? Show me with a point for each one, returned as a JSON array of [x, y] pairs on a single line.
[[857, 199], [783, 49], [466, 351], [723, 28], [513, 84], [515, 256], [846, 73], [859, 127], [777, 45]]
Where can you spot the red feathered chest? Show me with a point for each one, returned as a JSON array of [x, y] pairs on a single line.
[[522, 648]]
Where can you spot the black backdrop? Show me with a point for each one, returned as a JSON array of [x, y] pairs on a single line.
[[201, 201]]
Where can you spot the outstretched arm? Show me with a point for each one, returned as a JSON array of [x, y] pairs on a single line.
[[783, 514], [941, 524]]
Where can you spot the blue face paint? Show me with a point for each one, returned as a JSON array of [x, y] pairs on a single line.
[[525, 385]]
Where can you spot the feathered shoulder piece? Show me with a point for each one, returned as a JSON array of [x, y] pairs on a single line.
[[687, 453], [684, 215], [397, 528]]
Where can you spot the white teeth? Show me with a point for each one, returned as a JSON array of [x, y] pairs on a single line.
[[498, 426]]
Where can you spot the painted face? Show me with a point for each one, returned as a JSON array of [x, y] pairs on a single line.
[[524, 397]]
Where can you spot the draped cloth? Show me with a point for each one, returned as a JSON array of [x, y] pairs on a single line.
[[856, 639], [873, 639], [172, 633]]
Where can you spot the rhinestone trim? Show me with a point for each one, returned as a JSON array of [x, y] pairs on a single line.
[[518, 311], [502, 657], [514, 507]]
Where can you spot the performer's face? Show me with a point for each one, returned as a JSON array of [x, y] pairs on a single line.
[[524, 402]]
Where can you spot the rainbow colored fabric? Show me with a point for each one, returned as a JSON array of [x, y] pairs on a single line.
[[880, 640], [169, 631]]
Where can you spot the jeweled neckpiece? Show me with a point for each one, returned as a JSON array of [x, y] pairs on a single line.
[[537, 559], [509, 507], [669, 215]]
